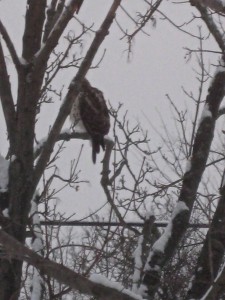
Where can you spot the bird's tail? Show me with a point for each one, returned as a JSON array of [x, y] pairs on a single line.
[[97, 141]]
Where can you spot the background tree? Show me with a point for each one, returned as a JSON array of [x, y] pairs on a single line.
[[179, 181]]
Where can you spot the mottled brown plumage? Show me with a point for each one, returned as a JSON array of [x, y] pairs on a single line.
[[91, 110]]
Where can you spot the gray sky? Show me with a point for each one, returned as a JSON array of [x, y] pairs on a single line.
[[157, 68]]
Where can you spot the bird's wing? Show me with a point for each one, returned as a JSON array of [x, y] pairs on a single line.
[[95, 116], [94, 112]]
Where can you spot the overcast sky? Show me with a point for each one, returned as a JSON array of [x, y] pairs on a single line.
[[157, 67]]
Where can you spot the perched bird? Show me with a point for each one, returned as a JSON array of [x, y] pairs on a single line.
[[90, 111]]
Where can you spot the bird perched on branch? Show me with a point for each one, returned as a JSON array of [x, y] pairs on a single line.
[[90, 111]]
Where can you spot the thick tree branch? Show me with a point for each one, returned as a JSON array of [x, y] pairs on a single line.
[[51, 18], [166, 246], [56, 32], [216, 288], [208, 19], [14, 249], [10, 46], [67, 136], [35, 17], [73, 92], [53, 14], [212, 253], [221, 112], [7, 99]]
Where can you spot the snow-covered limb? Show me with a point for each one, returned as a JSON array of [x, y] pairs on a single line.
[[63, 274], [159, 245], [152, 270], [5, 213], [220, 68], [37, 246], [56, 31], [145, 241], [211, 257], [23, 61], [206, 113], [221, 111], [97, 278], [214, 289], [67, 135], [4, 174], [138, 264], [223, 180], [188, 165], [4, 180], [36, 286], [165, 247], [215, 285]]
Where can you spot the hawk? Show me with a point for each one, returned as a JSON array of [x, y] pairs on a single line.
[[90, 111]]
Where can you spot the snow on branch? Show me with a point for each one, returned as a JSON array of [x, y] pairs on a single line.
[[165, 247], [163, 240], [216, 286], [206, 113], [97, 278], [138, 264], [96, 286], [67, 135], [141, 253], [159, 247], [4, 174], [37, 246], [4, 180], [211, 256], [57, 30]]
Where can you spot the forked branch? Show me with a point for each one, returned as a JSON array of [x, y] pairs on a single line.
[[73, 91]]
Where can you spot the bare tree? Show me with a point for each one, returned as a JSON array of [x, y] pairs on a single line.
[[174, 177], [35, 71]]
